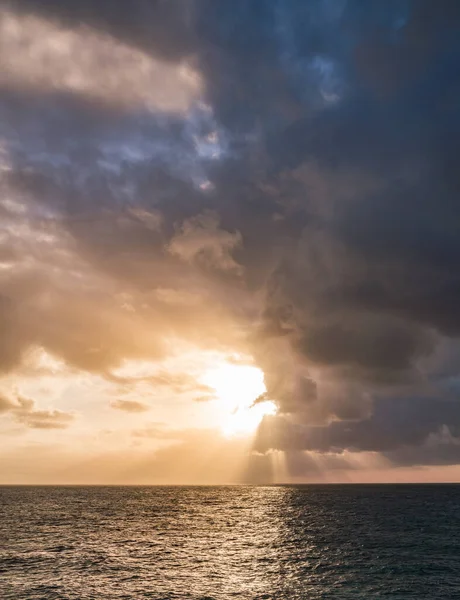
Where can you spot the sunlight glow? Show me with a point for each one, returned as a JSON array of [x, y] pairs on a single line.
[[237, 387]]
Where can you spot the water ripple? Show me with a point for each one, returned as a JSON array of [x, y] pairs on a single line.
[[219, 543]]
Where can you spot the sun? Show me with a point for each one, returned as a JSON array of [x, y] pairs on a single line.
[[237, 387]]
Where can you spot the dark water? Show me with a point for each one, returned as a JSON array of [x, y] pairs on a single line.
[[331, 542]]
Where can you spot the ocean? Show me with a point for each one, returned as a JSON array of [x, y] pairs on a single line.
[[248, 542]]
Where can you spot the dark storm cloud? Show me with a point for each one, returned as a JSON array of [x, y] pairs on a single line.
[[369, 344], [303, 190], [394, 424]]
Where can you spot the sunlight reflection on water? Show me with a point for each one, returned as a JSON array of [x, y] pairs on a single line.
[[229, 542]]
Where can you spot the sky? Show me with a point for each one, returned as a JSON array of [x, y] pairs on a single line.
[[229, 241]]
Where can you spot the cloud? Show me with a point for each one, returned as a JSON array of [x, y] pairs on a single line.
[[24, 411], [39, 54], [6, 405], [152, 377], [394, 425], [201, 240], [164, 29], [130, 406], [365, 343]]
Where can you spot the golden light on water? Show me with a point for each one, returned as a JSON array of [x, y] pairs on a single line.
[[237, 387]]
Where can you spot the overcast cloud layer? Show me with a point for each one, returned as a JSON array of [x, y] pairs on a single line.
[[278, 178]]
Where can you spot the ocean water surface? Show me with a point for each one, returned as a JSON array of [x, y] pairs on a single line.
[[279, 542]]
